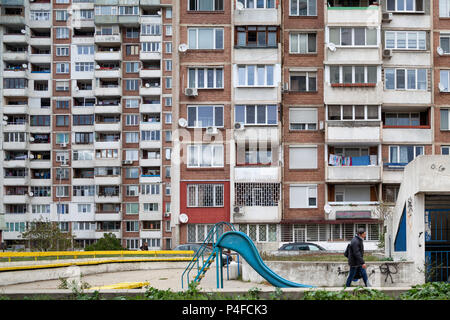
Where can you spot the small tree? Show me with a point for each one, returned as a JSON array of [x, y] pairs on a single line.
[[45, 235], [383, 212], [108, 242]]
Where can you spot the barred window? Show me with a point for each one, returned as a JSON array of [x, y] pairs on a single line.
[[205, 195], [257, 194]]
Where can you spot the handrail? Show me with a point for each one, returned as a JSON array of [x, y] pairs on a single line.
[[75, 254], [208, 239]]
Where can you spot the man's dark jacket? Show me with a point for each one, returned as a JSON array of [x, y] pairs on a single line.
[[356, 256]]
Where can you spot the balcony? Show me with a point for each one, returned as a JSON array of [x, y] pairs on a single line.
[[107, 144], [150, 73], [107, 73], [106, 20], [113, 38], [150, 108], [14, 38], [128, 20], [108, 91], [150, 144], [40, 58], [150, 162], [270, 16], [353, 173], [12, 3], [108, 198], [15, 92], [106, 108], [149, 55], [150, 126], [364, 16], [155, 216], [257, 133], [412, 135], [257, 174], [15, 109], [147, 234], [105, 216], [11, 19], [15, 199], [15, 56], [353, 93], [150, 91], [108, 55], [258, 213], [400, 96], [100, 233], [104, 126], [368, 132], [352, 210]]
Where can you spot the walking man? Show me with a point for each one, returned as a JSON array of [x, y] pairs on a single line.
[[356, 258]]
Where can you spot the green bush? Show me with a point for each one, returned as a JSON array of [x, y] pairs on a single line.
[[428, 291], [358, 293], [107, 243]]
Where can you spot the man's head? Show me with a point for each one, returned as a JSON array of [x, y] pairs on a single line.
[[362, 233]]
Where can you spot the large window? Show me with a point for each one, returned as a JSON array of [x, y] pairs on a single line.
[[258, 4], [302, 196], [204, 156], [445, 119], [303, 81], [152, 29], [256, 114], [406, 79], [444, 8], [205, 195], [205, 5], [256, 36], [353, 36], [205, 38], [255, 75], [257, 194], [445, 80], [411, 40], [404, 154], [205, 78], [353, 75], [303, 8], [302, 119], [405, 5], [303, 43], [407, 119], [303, 157], [353, 112], [205, 116]]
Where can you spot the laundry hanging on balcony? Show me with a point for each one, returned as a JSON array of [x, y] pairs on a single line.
[[336, 160]]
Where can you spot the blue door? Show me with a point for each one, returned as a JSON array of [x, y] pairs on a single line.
[[437, 244]]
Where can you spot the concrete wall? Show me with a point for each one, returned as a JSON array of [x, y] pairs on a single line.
[[334, 274]]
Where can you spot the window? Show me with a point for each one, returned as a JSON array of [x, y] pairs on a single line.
[[132, 67], [131, 103], [132, 226], [406, 79], [353, 112], [15, 83], [445, 150], [154, 135], [131, 137], [302, 43], [205, 78], [86, 14], [132, 190], [205, 38], [168, 30], [411, 40], [83, 155], [168, 46], [62, 104], [256, 114], [40, 15], [84, 208], [150, 189], [62, 33], [151, 207], [256, 36], [205, 195], [128, 10], [61, 15], [444, 8], [405, 5], [408, 119], [40, 208], [150, 47], [106, 153], [303, 81], [168, 82], [132, 33], [151, 29], [256, 75], [205, 5], [345, 193], [83, 120], [83, 191], [84, 138], [132, 155], [444, 80], [62, 138], [84, 66], [402, 155], [168, 65], [257, 194], [303, 8], [132, 120], [302, 119], [168, 118], [132, 85], [261, 156], [203, 156], [62, 191], [304, 157], [62, 120], [40, 121], [132, 208], [444, 119], [302, 196], [62, 67], [353, 36], [205, 116], [62, 51], [105, 10], [390, 192], [353, 75], [62, 85], [258, 4]]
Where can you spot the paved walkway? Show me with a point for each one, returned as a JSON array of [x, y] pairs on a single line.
[[159, 278]]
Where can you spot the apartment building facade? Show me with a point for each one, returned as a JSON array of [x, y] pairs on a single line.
[[156, 119]]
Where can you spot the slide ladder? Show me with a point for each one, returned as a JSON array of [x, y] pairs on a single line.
[[243, 245], [199, 265]]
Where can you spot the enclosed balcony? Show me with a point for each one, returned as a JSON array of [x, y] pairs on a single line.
[[108, 53], [401, 125], [10, 15], [104, 122], [150, 69], [108, 105], [108, 70], [253, 12], [108, 87], [355, 12], [150, 158], [150, 87]]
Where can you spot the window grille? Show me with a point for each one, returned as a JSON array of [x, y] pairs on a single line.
[[257, 194]]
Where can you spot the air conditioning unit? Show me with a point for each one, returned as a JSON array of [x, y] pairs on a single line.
[[387, 16], [239, 126], [387, 53], [167, 214], [191, 92], [211, 130], [286, 86], [127, 161], [63, 145], [238, 210]]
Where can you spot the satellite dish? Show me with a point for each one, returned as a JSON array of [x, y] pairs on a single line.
[[159, 12], [5, 117], [23, 31], [31, 156], [440, 51], [182, 47], [147, 85], [239, 6], [24, 66], [31, 194], [331, 46], [31, 139], [97, 66], [182, 122], [183, 218], [327, 208]]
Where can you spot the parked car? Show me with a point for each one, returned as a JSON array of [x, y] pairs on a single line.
[[301, 246]]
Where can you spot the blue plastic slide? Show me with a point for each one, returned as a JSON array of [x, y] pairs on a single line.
[[242, 244]]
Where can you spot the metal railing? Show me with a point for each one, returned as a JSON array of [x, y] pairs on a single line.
[[437, 266]]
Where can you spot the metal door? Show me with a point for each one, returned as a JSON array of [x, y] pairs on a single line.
[[437, 244]]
